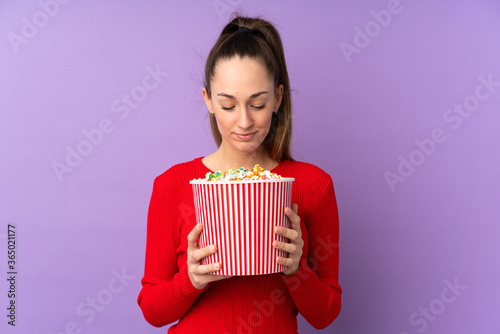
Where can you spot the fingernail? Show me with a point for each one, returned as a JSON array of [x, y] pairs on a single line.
[[212, 248], [200, 225], [217, 265], [277, 229], [276, 243]]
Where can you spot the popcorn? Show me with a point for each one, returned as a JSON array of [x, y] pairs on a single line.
[[240, 174], [240, 217]]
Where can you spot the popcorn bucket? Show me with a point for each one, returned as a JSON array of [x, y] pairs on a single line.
[[239, 217]]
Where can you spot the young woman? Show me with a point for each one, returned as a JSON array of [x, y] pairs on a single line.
[[247, 93]]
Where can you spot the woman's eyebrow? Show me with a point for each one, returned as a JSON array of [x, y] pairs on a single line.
[[234, 98]]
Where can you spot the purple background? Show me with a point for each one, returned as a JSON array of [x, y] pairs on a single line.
[[354, 116]]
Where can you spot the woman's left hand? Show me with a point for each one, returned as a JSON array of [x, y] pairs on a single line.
[[294, 248]]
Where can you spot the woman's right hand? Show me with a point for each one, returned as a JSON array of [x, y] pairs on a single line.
[[198, 273]]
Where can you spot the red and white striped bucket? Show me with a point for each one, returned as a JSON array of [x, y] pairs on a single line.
[[239, 217]]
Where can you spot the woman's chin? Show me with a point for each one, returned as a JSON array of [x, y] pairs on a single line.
[[247, 147]]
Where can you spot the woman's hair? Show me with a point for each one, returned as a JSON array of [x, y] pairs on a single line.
[[261, 43]]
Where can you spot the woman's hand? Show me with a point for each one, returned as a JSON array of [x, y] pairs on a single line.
[[294, 248], [198, 273]]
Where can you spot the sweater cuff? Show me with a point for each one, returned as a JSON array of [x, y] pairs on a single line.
[[304, 271], [186, 286]]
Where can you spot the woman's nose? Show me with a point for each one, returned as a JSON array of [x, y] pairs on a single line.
[[245, 120]]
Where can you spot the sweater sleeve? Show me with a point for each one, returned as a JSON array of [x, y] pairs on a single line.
[[167, 292], [314, 287]]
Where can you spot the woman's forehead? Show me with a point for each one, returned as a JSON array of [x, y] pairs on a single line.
[[241, 74]]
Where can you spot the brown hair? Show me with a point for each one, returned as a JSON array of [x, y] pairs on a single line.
[[262, 43]]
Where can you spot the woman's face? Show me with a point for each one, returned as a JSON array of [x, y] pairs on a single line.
[[243, 100]]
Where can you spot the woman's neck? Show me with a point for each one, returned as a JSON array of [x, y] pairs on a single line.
[[222, 159]]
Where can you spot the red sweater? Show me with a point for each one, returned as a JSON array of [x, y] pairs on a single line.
[[240, 304]]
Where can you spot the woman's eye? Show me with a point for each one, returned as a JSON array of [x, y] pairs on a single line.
[[255, 107]]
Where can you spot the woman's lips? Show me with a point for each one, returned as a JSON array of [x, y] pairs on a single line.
[[245, 136]]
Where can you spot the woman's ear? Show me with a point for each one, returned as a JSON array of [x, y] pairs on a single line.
[[278, 93], [208, 102]]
